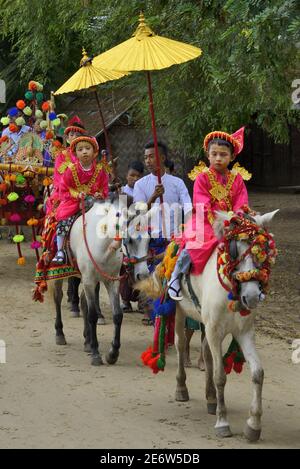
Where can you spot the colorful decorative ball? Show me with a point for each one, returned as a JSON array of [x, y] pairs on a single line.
[[32, 222], [45, 106], [29, 199], [47, 181], [13, 128], [15, 218], [27, 111], [56, 122], [13, 112], [49, 135], [43, 124], [32, 85], [35, 245], [18, 238], [52, 116], [39, 97], [3, 187], [5, 120], [20, 121], [39, 86], [13, 196], [20, 179], [39, 114], [29, 95], [20, 104]]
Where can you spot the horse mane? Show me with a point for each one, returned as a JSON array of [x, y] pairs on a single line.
[[151, 285]]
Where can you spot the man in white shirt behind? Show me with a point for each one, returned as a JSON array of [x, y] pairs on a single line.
[[173, 189], [176, 202]]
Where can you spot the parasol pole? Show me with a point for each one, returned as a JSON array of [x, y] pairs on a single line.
[[158, 168], [151, 107], [107, 140]]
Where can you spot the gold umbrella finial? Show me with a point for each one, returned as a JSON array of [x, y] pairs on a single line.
[[85, 58], [143, 29]]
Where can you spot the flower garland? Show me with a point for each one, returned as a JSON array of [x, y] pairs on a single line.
[[262, 248]]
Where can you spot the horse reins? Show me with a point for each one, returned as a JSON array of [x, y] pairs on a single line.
[[98, 269]]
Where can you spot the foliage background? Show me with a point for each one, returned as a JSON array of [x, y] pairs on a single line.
[[250, 57]]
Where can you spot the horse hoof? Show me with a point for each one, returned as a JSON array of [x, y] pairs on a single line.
[[97, 361], [251, 434], [60, 340], [112, 357], [87, 348], [74, 308], [211, 408], [101, 321], [75, 314], [223, 432], [182, 395]]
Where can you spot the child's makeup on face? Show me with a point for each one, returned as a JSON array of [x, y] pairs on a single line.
[[219, 157], [85, 153]]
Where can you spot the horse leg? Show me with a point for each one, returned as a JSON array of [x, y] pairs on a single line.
[[252, 429], [210, 390], [113, 293], [215, 344], [101, 318], [74, 284], [181, 389], [57, 296], [201, 361], [188, 336], [86, 327], [89, 290]]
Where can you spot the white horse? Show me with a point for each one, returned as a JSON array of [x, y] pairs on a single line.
[[100, 227], [99, 258], [211, 308]]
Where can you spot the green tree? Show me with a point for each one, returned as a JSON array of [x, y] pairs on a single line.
[[245, 72]]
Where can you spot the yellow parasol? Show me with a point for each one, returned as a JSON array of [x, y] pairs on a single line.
[[147, 51], [88, 77]]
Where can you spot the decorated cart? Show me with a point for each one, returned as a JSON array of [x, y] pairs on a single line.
[[29, 143]]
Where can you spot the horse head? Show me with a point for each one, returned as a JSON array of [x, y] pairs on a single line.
[[136, 243], [246, 254]]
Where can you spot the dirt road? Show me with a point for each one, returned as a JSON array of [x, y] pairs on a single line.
[[50, 396]]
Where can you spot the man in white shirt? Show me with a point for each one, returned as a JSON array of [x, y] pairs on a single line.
[[174, 191]]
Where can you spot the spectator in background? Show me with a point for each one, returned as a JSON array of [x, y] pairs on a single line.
[[134, 173]]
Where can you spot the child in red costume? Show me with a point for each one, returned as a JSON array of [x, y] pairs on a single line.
[[64, 159], [82, 178], [216, 188]]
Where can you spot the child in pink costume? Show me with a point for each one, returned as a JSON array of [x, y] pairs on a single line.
[[82, 178], [216, 188], [64, 159]]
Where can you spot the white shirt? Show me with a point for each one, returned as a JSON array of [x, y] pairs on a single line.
[[175, 195], [127, 190]]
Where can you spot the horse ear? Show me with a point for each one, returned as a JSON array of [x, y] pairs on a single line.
[[218, 225], [266, 219]]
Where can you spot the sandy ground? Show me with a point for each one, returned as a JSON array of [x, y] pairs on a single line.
[[50, 396]]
